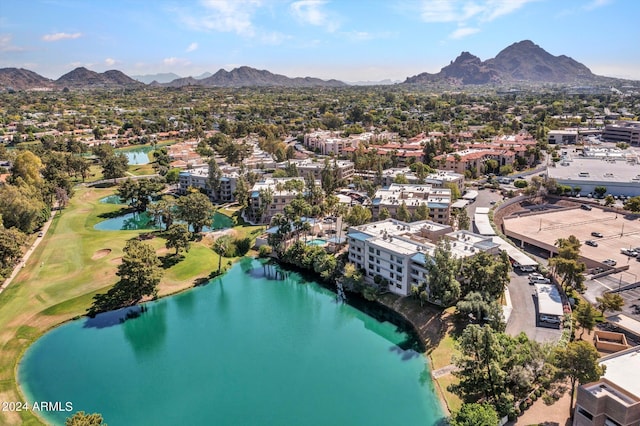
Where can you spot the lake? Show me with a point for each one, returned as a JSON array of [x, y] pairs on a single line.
[[245, 349]]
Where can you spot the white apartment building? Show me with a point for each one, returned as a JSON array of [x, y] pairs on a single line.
[[260, 212], [438, 179], [327, 142], [343, 168], [398, 251], [413, 195], [197, 178]]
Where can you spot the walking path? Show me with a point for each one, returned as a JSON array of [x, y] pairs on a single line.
[[443, 371], [27, 254]]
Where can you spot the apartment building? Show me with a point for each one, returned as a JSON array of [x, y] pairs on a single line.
[[398, 251], [562, 137], [437, 179], [198, 178], [343, 169], [614, 400], [259, 211], [413, 195], [327, 142], [475, 159], [623, 131]]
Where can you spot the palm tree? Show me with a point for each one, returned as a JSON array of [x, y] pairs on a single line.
[[220, 247]]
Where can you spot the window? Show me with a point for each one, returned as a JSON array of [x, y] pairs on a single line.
[[370, 258], [371, 266], [399, 285], [399, 269], [609, 422], [377, 269], [370, 248], [378, 252], [391, 267], [392, 276], [358, 250], [585, 413]]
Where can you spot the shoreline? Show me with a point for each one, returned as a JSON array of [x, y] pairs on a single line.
[[422, 326]]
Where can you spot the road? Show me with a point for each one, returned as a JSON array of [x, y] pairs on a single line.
[[524, 314], [28, 253]]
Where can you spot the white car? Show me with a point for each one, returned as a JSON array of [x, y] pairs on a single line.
[[550, 319], [539, 280]]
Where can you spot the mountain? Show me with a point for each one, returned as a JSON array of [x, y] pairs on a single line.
[[385, 82], [84, 78], [21, 79], [203, 75], [528, 61], [251, 77], [522, 61], [160, 78]]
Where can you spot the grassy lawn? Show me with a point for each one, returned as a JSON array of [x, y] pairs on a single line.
[[71, 265]]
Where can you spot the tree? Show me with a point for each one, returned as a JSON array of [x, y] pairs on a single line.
[[632, 204], [11, 241], [140, 270], [463, 220], [609, 200], [81, 418], [578, 361], [115, 166], [178, 237], [21, 207], [421, 213], [566, 263], [27, 166], [352, 278], [600, 191], [610, 302], [480, 366], [585, 317], [196, 210], [384, 214], [442, 285], [474, 414], [241, 193], [220, 247], [214, 180], [358, 215], [401, 179], [138, 193], [403, 213], [163, 211], [486, 274]]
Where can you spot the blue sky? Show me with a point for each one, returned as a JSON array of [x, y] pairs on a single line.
[[350, 40]]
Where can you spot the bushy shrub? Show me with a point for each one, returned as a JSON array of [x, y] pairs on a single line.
[[520, 183], [242, 246], [265, 251]]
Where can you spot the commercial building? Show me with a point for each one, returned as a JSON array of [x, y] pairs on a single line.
[[623, 131], [563, 137], [398, 251], [614, 400], [617, 170], [413, 196]]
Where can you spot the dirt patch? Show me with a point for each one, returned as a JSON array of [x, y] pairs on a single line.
[[116, 260], [100, 254]]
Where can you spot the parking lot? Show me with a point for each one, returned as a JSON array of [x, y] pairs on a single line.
[[618, 231], [524, 315]]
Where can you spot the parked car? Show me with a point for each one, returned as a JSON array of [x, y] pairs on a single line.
[[551, 319], [628, 252], [597, 234], [591, 243], [527, 268], [539, 280], [610, 262], [586, 207]]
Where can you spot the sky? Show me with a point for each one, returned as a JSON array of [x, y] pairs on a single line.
[[349, 40]]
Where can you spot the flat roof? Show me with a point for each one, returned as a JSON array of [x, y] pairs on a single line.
[[483, 224], [515, 254], [460, 204], [623, 369], [482, 210], [549, 300], [596, 169]]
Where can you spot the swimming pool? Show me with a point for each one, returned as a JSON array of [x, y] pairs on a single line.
[[317, 242]]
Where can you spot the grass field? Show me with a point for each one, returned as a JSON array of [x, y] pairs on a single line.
[[71, 265]]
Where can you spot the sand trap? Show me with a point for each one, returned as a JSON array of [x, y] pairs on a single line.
[[117, 260], [100, 254]]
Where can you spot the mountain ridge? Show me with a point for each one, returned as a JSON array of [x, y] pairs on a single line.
[[523, 61]]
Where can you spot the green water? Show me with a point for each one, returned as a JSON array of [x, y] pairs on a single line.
[[139, 221], [242, 350], [138, 156]]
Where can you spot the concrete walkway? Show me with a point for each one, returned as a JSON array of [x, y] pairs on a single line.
[[28, 253], [443, 371]]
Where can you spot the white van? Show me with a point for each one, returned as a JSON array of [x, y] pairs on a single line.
[[551, 319]]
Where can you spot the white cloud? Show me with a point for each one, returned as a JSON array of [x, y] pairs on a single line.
[[193, 46], [311, 12], [175, 62], [366, 36], [61, 36], [110, 62], [6, 44], [596, 4], [224, 16], [463, 32], [461, 11]]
